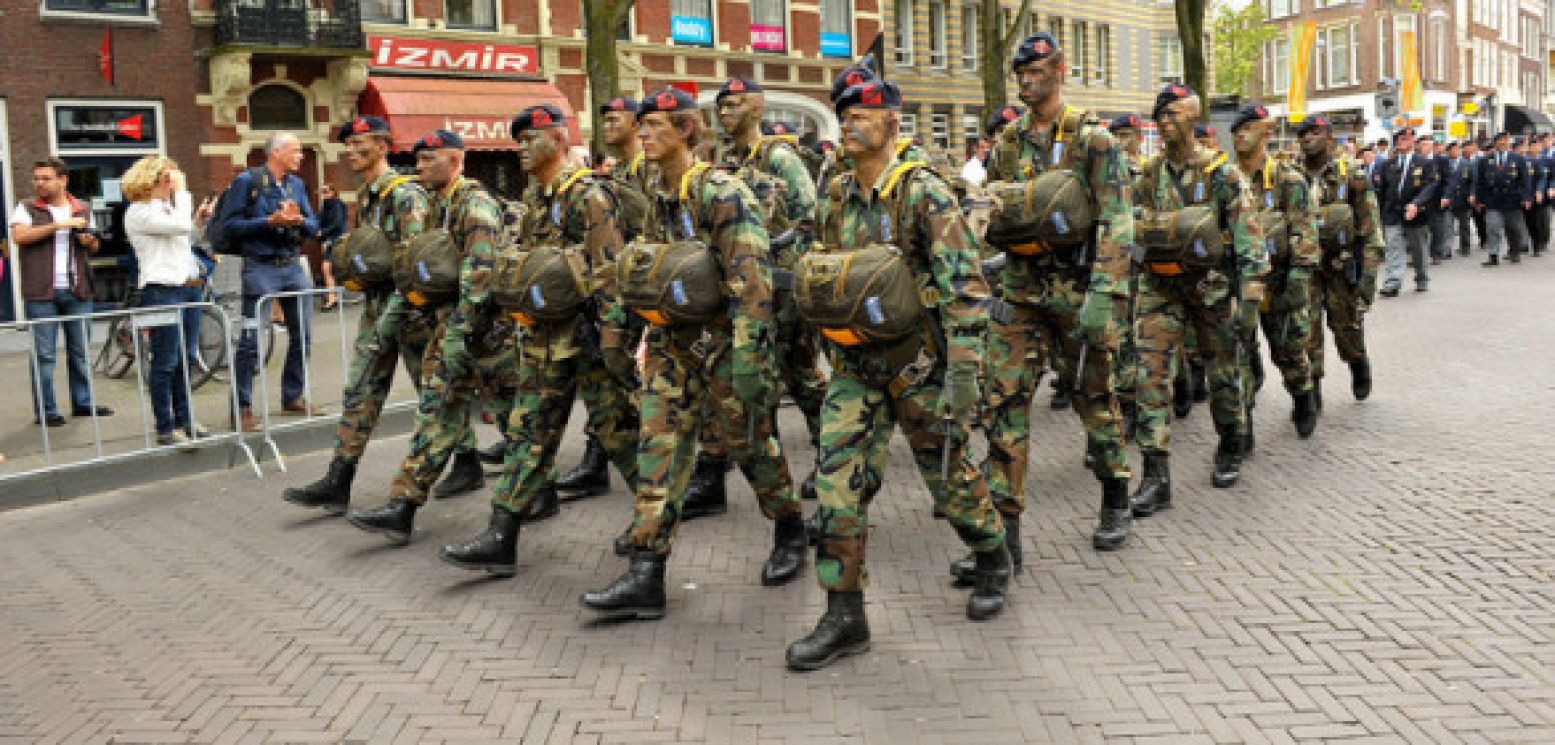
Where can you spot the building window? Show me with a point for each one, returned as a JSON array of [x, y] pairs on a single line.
[[470, 14], [1282, 8], [102, 7], [1104, 55], [769, 25], [909, 125], [383, 11], [969, 37], [1171, 59], [624, 31], [277, 106], [1080, 58], [940, 124], [971, 127], [691, 22], [1337, 52], [836, 29], [1278, 66], [1402, 24], [903, 38], [1055, 26], [937, 41]]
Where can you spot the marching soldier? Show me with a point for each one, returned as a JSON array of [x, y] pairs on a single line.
[[892, 214], [1457, 183], [389, 329], [1405, 184], [571, 214], [1282, 201], [724, 351], [1127, 129], [472, 353], [1345, 284], [1503, 184], [1065, 300], [1193, 278]]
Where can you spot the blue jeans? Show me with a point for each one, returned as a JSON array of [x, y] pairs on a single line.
[[168, 377], [44, 338], [263, 279]]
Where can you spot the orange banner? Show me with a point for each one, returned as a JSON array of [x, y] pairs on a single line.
[[1303, 38], [1411, 97]]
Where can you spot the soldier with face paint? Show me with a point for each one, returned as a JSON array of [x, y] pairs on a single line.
[[1066, 303], [922, 382], [1196, 285], [1280, 195]]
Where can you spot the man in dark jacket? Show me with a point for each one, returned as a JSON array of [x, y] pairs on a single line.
[[1457, 181], [1439, 212], [1405, 184], [1503, 186], [1535, 215]]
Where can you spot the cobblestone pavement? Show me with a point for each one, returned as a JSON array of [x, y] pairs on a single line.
[[1388, 581]]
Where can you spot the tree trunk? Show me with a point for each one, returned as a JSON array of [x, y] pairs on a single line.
[[1190, 27], [601, 18], [993, 43]]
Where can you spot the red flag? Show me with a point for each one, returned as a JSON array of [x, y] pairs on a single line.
[[105, 57]]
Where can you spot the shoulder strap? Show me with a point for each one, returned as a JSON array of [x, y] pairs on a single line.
[[576, 176], [895, 198]]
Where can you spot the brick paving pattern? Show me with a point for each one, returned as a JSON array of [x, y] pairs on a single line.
[[1388, 581]]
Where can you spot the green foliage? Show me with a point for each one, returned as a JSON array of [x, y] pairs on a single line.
[[1238, 46]]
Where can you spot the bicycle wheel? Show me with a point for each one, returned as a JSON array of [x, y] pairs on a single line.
[[210, 352], [123, 339]]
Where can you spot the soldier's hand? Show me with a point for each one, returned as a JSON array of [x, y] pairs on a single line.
[[456, 357], [620, 365], [753, 388], [1366, 293], [1097, 319], [960, 394]]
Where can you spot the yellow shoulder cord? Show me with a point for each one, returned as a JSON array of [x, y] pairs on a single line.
[[637, 161], [685, 179], [902, 143], [448, 191], [897, 173], [573, 179]]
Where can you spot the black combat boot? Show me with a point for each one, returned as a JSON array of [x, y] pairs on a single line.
[[1113, 522], [1493, 260], [1360, 379], [1317, 394], [591, 477], [1130, 423], [705, 493], [964, 569], [464, 476], [790, 542], [1228, 461], [394, 519], [495, 453], [639, 593], [807, 489], [1515, 255], [544, 506], [990, 585], [1182, 395], [1304, 414], [1249, 439], [495, 550], [1200, 382], [842, 632], [1155, 489], [332, 493], [623, 542]]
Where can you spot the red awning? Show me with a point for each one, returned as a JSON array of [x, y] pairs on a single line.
[[477, 110]]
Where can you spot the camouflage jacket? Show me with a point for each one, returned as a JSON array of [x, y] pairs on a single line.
[[775, 156], [401, 214], [936, 241], [474, 219], [1343, 179], [1278, 185], [574, 209], [720, 210], [1080, 144], [636, 171], [1160, 187]]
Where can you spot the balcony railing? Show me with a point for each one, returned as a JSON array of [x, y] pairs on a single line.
[[326, 24]]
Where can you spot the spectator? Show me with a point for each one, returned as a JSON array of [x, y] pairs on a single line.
[[158, 224], [973, 172], [332, 225], [269, 234], [54, 235]]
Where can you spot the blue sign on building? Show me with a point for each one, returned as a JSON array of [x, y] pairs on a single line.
[[691, 30], [836, 45]]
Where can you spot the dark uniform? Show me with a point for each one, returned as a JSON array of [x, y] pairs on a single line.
[[1405, 179], [1502, 183], [1440, 218], [1457, 185]]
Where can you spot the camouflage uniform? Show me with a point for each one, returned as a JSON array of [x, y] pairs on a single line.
[[387, 329], [1278, 185], [1346, 280], [568, 211], [798, 345], [1045, 292], [1125, 367], [1203, 300], [688, 365], [871, 388], [472, 358]]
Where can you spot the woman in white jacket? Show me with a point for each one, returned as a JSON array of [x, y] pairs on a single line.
[[158, 222]]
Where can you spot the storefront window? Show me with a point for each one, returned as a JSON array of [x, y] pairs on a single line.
[[691, 22], [105, 7], [471, 14], [383, 11], [769, 25], [836, 28]]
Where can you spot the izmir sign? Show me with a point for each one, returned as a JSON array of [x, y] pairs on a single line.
[[457, 57]]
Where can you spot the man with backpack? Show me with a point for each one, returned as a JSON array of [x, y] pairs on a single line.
[[264, 216]]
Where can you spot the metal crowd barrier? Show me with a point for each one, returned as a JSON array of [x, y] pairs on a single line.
[[139, 320]]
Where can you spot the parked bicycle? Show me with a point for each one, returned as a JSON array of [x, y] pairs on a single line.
[[124, 343]]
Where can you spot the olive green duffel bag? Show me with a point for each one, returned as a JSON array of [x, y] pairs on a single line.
[[859, 297], [1179, 241], [1049, 212], [427, 271], [363, 259], [545, 284], [671, 284]]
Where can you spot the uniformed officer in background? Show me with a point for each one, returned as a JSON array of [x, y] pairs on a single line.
[[1503, 187]]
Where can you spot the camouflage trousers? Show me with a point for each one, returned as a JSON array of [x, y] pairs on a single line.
[[685, 369], [798, 351], [443, 409], [856, 427], [550, 362], [1168, 307], [1287, 330], [609, 401], [1017, 354], [1125, 364], [389, 331], [1333, 295]]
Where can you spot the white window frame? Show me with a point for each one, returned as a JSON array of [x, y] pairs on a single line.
[[712, 20], [786, 25], [971, 127], [1170, 62], [1279, 74], [1080, 61], [496, 18], [52, 105], [1326, 42], [939, 130], [1276, 9], [909, 124], [404, 6], [124, 19], [969, 51], [1403, 22], [902, 38], [1103, 71], [939, 35]]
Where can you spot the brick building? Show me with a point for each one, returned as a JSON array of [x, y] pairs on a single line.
[[55, 101]]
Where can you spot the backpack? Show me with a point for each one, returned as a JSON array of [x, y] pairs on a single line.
[[1271, 217], [364, 257], [546, 283], [1050, 209], [1189, 239], [866, 296], [679, 283], [1335, 217], [217, 232], [427, 271]]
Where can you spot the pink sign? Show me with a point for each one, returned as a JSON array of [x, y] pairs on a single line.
[[768, 38]]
